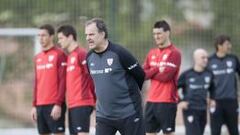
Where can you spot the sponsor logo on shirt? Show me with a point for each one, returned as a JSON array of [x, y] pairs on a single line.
[[132, 66], [191, 79], [70, 68], [223, 71], [214, 66], [44, 66], [39, 60]]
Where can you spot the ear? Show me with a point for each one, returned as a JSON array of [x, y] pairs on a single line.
[[103, 34], [168, 33]]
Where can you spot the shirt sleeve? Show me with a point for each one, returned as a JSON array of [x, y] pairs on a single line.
[[212, 87], [61, 78], [170, 68], [238, 66], [34, 86], [149, 71], [82, 61], [132, 66], [182, 85]]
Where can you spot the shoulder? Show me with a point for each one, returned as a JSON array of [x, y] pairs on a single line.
[[186, 72], [212, 56], [233, 56], [89, 54], [175, 50], [59, 51]]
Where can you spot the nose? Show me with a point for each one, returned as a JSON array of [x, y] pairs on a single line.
[[87, 37]]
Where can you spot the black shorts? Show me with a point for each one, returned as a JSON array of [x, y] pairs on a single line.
[[45, 122], [160, 116], [132, 125], [79, 119], [194, 121], [226, 112]]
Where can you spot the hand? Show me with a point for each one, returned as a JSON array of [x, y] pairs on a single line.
[[34, 114], [212, 103], [184, 105], [212, 106], [56, 112]]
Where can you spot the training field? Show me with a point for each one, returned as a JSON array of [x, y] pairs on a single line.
[[31, 131]]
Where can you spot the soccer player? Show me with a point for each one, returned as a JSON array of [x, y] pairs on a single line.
[[50, 84], [80, 90], [224, 66], [195, 83], [118, 79], [161, 67]]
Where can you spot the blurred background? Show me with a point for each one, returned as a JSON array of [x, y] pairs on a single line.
[[194, 24]]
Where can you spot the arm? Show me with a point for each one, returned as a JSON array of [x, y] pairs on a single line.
[[182, 85], [168, 70], [238, 66], [34, 87], [212, 87], [149, 71], [33, 110], [61, 78], [132, 66]]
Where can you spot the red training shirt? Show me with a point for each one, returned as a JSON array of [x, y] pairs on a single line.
[[163, 86], [50, 77], [80, 88]]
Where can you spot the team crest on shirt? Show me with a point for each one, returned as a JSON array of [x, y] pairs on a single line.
[[110, 61], [190, 119], [165, 56], [72, 60], [207, 79], [229, 63], [50, 58]]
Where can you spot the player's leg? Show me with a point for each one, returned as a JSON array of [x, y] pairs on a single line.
[[151, 123]]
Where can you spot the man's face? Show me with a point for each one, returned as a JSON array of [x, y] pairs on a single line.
[[225, 47], [93, 36], [44, 38], [201, 59], [63, 40], [160, 36]]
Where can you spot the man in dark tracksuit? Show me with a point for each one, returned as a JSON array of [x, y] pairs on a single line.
[[118, 79], [195, 84], [224, 67]]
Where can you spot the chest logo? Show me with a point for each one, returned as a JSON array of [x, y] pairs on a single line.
[[50, 58], [207, 79], [72, 60], [229, 63], [110, 61], [165, 56]]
